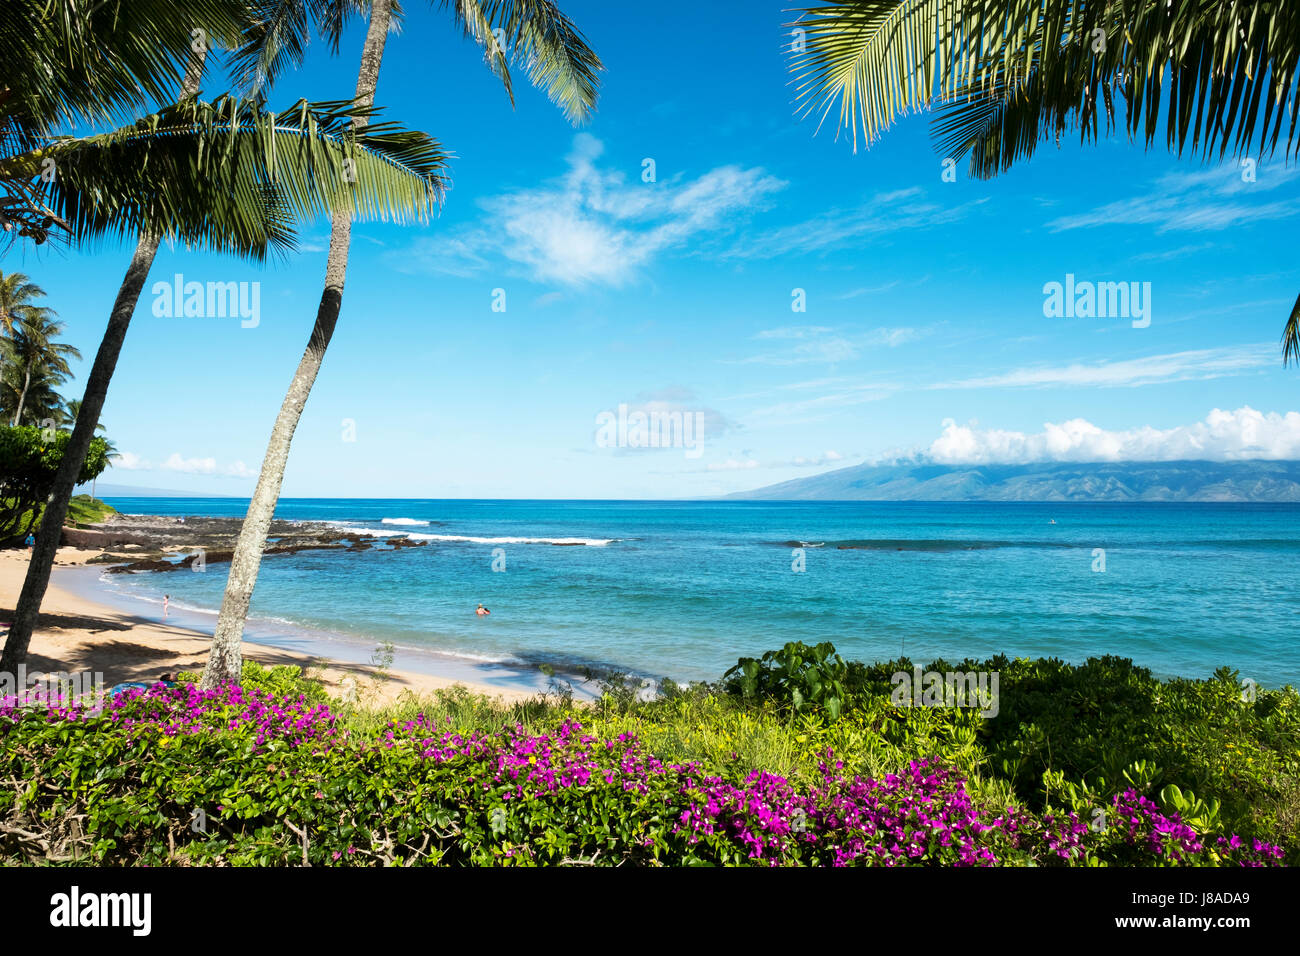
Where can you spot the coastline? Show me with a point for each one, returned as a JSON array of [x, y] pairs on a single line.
[[78, 632]]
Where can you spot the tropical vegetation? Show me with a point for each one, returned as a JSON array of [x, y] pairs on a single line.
[[1092, 765], [33, 362], [30, 458]]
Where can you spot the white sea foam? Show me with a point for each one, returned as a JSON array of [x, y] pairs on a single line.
[[406, 521], [472, 539], [592, 542], [345, 528]]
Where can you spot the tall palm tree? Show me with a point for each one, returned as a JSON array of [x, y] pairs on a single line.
[[227, 175], [24, 326], [557, 59], [17, 298], [34, 350], [1007, 76], [42, 403]]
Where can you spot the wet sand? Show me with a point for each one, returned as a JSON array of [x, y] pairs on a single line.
[[75, 633]]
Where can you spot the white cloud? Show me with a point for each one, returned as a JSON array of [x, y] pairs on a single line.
[[827, 457], [675, 411], [130, 461], [190, 466], [732, 464], [591, 225], [839, 396], [1223, 436], [867, 290], [176, 462], [1172, 367], [1208, 200], [817, 343], [793, 332], [885, 213]]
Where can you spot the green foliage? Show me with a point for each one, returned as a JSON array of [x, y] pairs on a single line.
[[283, 680], [1107, 725], [1067, 739], [83, 509], [806, 678], [29, 461]]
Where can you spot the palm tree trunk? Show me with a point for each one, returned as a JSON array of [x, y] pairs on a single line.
[[225, 660], [83, 430], [22, 397], [101, 373]]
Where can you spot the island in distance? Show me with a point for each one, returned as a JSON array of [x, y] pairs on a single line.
[[1208, 481]]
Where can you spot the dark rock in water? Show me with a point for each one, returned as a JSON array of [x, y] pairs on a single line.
[[149, 564], [304, 546], [92, 538], [160, 543], [209, 557], [406, 543]]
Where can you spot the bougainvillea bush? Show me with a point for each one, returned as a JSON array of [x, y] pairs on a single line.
[[173, 775]]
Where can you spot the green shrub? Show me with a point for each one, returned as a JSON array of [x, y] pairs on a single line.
[[802, 677]]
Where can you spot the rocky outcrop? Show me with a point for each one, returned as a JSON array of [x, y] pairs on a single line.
[[140, 543]]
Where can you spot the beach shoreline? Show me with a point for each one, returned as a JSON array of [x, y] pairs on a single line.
[[79, 632]]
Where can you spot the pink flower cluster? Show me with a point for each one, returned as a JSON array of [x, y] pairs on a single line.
[[1168, 836], [182, 709], [525, 764], [923, 815]]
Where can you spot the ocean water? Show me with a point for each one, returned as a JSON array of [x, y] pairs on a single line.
[[682, 589]]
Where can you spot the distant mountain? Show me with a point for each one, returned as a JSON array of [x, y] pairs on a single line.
[[1054, 481], [106, 490]]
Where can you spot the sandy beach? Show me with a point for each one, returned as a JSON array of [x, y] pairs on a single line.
[[77, 634]]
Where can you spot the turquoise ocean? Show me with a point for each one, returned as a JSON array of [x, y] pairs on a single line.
[[682, 589]]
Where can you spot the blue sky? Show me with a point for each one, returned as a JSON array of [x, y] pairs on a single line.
[[923, 329]]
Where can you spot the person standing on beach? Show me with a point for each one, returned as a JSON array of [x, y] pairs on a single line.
[[166, 598], [31, 543]]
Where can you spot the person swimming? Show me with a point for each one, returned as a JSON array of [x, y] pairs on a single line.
[[482, 611]]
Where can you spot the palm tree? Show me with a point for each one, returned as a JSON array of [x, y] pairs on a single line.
[[34, 352], [557, 59], [1008, 76], [227, 175], [71, 412], [17, 293]]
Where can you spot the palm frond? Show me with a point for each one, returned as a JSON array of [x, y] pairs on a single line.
[[552, 50], [70, 61], [1291, 336], [1218, 78], [279, 32], [230, 176]]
